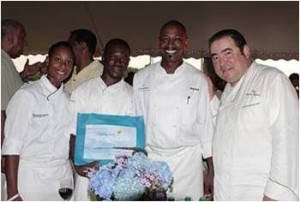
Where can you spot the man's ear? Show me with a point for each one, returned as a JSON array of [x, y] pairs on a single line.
[[47, 62], [246, 51], [10, 39], [187, 42], [83, 46], [103, 59]]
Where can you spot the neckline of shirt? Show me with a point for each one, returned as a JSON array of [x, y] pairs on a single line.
[[50, 90], [104, 87], [178, 70]]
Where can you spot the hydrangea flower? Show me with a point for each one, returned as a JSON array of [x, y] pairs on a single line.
[[128, 189], [102, 183], [130, 178]]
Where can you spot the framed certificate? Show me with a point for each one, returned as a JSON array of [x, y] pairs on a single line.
[[102, 137]]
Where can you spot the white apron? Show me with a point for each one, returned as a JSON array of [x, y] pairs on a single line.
[[41, 181], [81, 188], [187, 169]]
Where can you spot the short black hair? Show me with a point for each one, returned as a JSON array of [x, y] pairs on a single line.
[[86, 36], [113, 42], [294, 76], [237, 37], [59, 44], [173, 23], [9, 26]]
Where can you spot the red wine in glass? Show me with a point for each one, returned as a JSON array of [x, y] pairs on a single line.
[[65, 193]]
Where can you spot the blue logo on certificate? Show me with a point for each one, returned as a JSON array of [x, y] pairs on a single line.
[[102, 137]]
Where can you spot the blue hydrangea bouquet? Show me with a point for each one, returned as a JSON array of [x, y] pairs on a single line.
[[131, 178]]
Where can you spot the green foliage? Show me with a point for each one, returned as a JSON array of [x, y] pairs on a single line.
[[92, 196]]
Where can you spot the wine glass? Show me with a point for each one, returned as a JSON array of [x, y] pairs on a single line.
[[66, 189]]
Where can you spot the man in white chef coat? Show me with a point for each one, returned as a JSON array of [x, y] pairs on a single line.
[[174, 100], [256, 140], [106, 94]]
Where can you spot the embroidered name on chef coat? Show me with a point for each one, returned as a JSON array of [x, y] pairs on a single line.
[[254, 98], [39, 115]]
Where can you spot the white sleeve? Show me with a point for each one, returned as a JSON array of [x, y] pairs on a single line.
[[283, 182], [135, 99], [205, 113], [214, 105], [18, 118], [74, 108]]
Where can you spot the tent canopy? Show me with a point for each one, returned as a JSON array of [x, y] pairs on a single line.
[[270, 28]]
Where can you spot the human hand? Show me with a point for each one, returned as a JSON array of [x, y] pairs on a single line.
[[84, 169], [30, 70], [44, 66], [3, 164], [16, 197], [266, 198], [209, 185]]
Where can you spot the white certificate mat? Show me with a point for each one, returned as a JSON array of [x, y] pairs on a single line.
[[101, 139]]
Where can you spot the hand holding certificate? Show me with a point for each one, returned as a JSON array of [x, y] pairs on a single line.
[[102, 137]]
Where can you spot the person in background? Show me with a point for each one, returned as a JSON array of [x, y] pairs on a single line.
[[294, 78], [12, 45], [173, 97], [129, 78], [84, 44], [106, 94], [214, 79], [36, 143], [256, 139], [215, 86]]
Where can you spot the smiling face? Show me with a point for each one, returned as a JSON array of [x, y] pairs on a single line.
[[60, 64], [173, 42], [116, 61], [229, 62]]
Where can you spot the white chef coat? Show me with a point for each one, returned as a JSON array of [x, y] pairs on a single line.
[[255, 150], [36, 129], [178, 122], [94, 96]]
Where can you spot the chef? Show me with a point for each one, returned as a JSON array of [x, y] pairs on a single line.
[[255, 148], [174, 100]]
